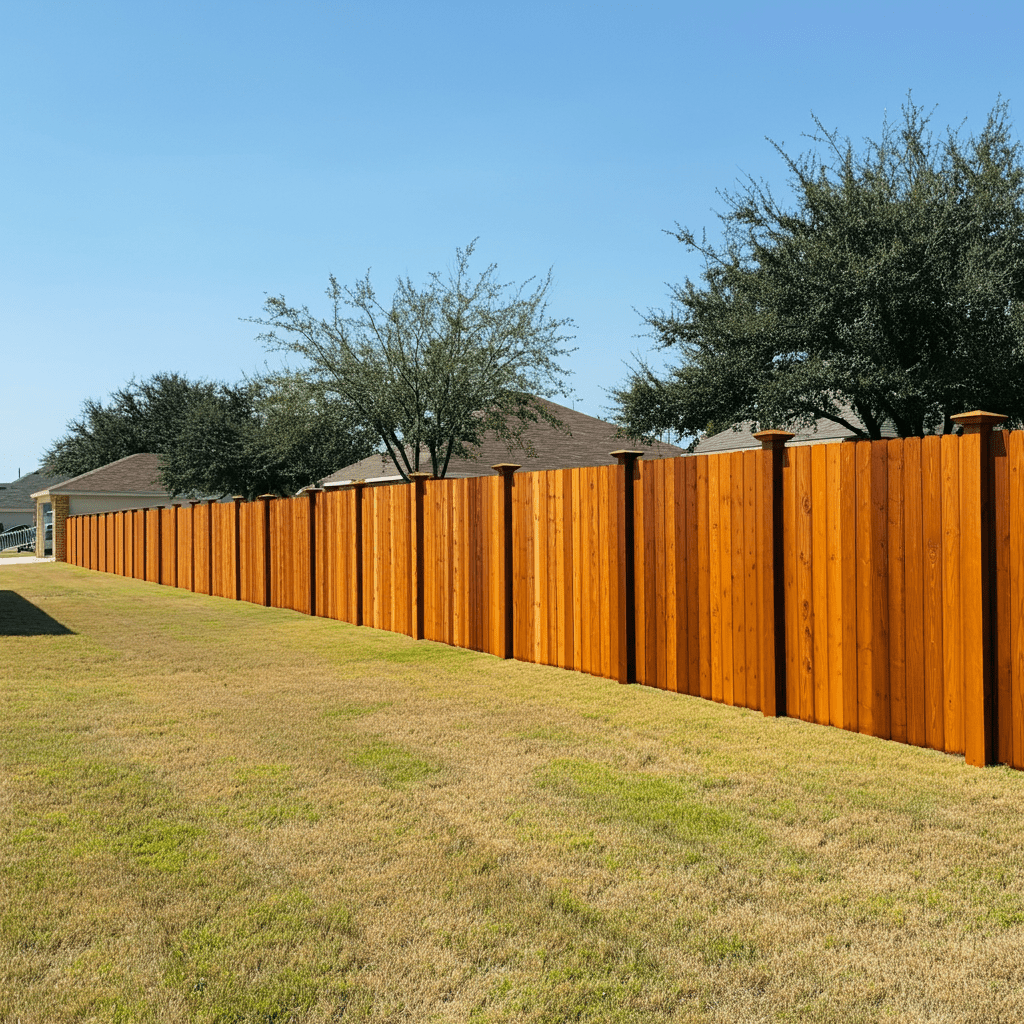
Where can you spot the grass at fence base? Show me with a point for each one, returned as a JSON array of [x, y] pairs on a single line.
[[215, 812]]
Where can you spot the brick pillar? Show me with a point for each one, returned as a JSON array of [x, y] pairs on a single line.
[[61, 504]]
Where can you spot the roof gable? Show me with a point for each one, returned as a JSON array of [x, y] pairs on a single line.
[[134, 474]]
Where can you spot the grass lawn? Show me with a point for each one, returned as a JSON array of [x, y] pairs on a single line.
[[212, 812]]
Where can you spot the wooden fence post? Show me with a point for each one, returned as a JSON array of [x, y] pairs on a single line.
[[772, 642], [626, 543], [976, 580], [236, 519], [311, 493], [506, 470], [267, 574], [419, 484]]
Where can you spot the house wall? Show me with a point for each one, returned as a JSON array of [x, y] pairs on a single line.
[[90, 504]]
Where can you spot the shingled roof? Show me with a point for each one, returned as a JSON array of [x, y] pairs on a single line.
[[741, 436], [588, 442], [134, 474], [16, 496]]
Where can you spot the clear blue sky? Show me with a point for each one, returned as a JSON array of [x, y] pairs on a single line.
[[163, 166]]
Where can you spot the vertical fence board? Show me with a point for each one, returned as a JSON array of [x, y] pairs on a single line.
[[1015, 457], [953, 688], [913, 594], [737, 579], [934, 602], [999, 465], [895, 539]]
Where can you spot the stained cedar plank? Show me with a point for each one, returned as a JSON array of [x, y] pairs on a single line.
[[750, 583], [737, 580], [665, 585], [580, 549], [725, 541], [715, 574], [554, 604], [999, 468], [865, 723], [616, 538], [703, 563], [640, 567], [789, 570], [1015, 501], [803, 609], [819, 582], [519, 487], [496, 568], [872, 656], [538, 615], [691, 574], [646, 574], [765, 612], [895, 539], [931, 502], [952, 662], [848, 513], [455, 539], [651, 553], [833, 584], [675, 585], [564, 568], [913, 593], [593, 573], [139, 536], [973, 599], [651, 533], [609, 565], [880, 696], [524, 567]]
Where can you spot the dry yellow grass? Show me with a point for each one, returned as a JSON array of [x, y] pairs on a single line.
[[214, 812]]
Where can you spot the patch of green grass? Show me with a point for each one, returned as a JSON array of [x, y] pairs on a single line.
[[653, 803], [389, 764], [266, 795], [271, 961]]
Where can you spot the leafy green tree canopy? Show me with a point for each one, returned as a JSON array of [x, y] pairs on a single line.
[[891, 285], [265, 435], [436, 366]]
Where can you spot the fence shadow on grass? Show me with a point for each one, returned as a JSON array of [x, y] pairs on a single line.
[[19, 617]]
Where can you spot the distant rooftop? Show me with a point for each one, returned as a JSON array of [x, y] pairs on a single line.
[[741, 437], [16, 496], [134, 474], [588, 442]]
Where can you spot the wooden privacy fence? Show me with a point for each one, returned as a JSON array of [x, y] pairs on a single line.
[[876, 586]]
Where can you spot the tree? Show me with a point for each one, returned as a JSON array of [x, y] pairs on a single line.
[[892, 287], [436, 367], [264, 435]]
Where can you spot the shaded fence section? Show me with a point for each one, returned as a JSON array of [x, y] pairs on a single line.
[[875, 587]]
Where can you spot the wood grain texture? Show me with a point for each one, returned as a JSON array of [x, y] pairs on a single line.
[[952, 662], [896, 597], [913, 593]]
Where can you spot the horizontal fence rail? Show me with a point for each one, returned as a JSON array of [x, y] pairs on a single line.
[[872, 586]]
